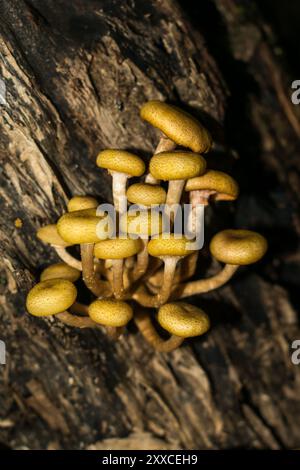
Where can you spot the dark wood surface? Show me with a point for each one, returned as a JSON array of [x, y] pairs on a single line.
[[76, 74]]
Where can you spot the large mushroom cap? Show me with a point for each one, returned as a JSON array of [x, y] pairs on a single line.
[[169, 244], [177, 165], [84, 226], [49, 234], [178, 125], [110, 312], [79, 203], [238, 247], [146, 194], [121, 161], [118, 248], [182, 319], [51, 297], [60, 271], [222, 186], [143, 223]]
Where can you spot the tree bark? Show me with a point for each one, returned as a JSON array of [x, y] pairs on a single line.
[[76, 74]]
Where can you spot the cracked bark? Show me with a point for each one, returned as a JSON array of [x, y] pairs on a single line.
[[76, 76]]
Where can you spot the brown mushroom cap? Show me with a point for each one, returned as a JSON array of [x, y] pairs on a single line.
[[146, 194], [183, 320], [118, 248], [110, 312], [121, 161], [238, 247], [51, 297], [171, 245], [144, 223], [84, 226], [177, 165], [178, 125], [79, 203], [60, 271], [225, 187], [49, 234]]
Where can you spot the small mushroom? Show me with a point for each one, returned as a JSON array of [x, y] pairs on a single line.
[[176, 167], [142, 224], [146, 195], [79, 203], [60, 271], [121, 165], [86, 228], [111, 313], [49, 234], [180, 319], [233, 247], [116, 250], [51, 297], [170, 250]]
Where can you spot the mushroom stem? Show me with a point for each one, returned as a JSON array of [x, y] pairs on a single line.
[[114, 332], [170, 263], [78, 322], [145, 326], [118, 285], [142, 261], [67, 258], [164, 145], [77, 307], [206, 285], [174, 192], [119, 181], [97, 287]]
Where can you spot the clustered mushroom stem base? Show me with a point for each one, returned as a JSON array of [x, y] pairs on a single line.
[[117, 283], [164, 145], [207, 285], [88, 272], [119, 181], [169, 273], [67, 258], [145, 326]]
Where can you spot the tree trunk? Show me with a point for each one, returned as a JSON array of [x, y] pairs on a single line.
[[76, 74]]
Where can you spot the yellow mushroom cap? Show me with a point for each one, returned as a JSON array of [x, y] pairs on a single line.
[[51, 297], [79, 203], [146, 194], [60, 271], [110, 312], [84, 226], [225, 187], [121, 161], [169, 244], [49, 234], [178, 125], [143, 223], [177, 165], [182, 319], [238, 247], [118, 248]]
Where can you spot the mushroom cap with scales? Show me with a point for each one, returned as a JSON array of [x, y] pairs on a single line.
[[60, 271], [142, 223], [146, 194], [51, 297], [177, 165], [49, 234], [169, 244], [178, 125], [222, 184], [121, 161], [110, 312], [79, 203], [117, 248], [84, 226], [183, 319], [238, 247]]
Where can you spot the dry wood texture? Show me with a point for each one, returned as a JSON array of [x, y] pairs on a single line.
[[76, 74]]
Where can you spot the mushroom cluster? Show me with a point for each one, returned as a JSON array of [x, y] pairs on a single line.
[[135, 267]]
